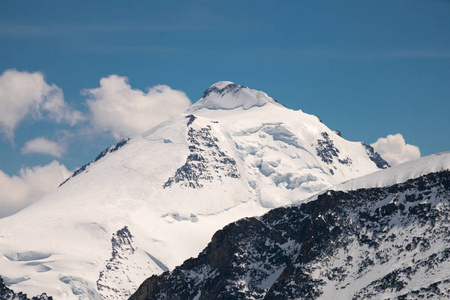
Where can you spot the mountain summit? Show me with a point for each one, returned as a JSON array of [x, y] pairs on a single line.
[[148, 203], [227, 95]]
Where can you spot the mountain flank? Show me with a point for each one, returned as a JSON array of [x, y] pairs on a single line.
[[377, 243]]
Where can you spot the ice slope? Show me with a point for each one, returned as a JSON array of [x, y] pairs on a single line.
[[150, 202], [408, 170]]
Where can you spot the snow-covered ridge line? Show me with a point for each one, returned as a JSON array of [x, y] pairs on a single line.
[[102, 154], [398, 174]]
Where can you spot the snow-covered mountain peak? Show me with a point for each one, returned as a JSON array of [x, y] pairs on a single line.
[[228, 95], [221, 84], [146, 204]]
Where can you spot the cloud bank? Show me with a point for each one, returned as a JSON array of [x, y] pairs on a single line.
[[17, 192], [24, 93], [394, 149], [44, 146], [115, 107]]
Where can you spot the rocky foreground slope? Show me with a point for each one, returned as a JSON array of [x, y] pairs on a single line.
[[390, 242], [8, 294]]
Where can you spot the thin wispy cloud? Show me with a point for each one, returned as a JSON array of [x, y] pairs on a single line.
[[330, 53], [189, 17], [33, 31], [376, 55], [113, 49]]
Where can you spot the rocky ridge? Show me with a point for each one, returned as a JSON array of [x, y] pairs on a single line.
[[8, 294], [378, 243]]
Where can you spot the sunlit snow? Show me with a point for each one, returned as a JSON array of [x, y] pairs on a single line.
[[66, 237]]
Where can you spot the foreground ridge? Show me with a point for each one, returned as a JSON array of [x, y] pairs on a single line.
[[8, 294], [387, 243]]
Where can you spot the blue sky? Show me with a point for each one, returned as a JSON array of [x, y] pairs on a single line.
[[366, 68]]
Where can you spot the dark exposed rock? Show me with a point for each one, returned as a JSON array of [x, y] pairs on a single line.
[[394, 234], [8, 294], [121, 241], [346, 161], [437, 290], [111, 149], [327, 151], [205, 162], [230, 88], [375, 157], [122, 249], [191, 119]]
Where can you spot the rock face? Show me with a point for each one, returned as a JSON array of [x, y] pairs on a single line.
[[328, 152], [8, 294], [115, 271], [206, 160], [378, 243], [375, 157]]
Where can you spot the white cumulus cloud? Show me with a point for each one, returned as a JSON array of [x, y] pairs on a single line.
[[394, 149], [24, 93], [44, 146], [29, 186], [117, 108]]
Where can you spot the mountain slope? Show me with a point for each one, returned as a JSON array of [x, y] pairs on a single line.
[[377, 243], [148, 203], [8, 294]]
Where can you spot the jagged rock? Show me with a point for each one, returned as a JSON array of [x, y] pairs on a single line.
[[102, 154], [378, 243], [375, 157], [205, 162], [115, 271], [327, 151], [8, 294]]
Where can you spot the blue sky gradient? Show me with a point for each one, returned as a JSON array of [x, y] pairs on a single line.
[[366, 68]]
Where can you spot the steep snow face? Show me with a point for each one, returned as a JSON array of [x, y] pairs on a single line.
[[235, 153], [400, 173]]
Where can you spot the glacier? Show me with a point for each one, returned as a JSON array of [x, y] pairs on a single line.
[[152, 201]]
